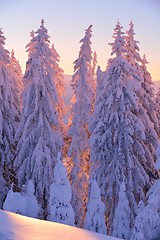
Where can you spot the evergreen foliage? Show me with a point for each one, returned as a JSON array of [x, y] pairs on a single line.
[[123, 215], [95, 217], [82, 100], [120, 141], [112, 138], [39, 136], [9, 115], [60, 87], [60, 196], [147, 222]]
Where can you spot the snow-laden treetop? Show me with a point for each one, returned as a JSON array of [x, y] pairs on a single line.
[[4, 54], [85, 49], [118, 46], [132, 45]]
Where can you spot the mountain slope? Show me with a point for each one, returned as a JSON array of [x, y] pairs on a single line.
[[16, 227]]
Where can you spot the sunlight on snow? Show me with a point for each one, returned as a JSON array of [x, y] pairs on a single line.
[[17, 227]]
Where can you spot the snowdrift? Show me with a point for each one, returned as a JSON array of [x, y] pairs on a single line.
[[16, 227]]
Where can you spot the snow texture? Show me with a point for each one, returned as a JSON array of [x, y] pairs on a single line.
[[14, 226]]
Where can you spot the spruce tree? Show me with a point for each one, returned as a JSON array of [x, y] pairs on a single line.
[[39, 136], [82, 81], [9, 115], [120, 149], [32, 207], [149, 101], [147, 222], [30, 45], [146, 95], [15, 202], [60, 209], [95, 217], [123, 215], [15, 65], [60, 87]]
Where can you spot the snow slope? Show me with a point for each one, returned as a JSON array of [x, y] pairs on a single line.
[[16, 227]]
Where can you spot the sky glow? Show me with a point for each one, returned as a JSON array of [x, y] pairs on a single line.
[[66, 21]]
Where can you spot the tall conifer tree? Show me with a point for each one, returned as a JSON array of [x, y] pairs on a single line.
[[9, 114], [39, 133], [146, 95], [60, 87], [60, 208], [120, 149], [95, 217], [16, 69], [149, 101], [82, 106]]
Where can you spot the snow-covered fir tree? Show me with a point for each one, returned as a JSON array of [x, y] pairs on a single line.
[[95, 217], [61, 93], [122, 216], [15, 65], [39, 136], [147, 222], [82, 106], [59, 82], [32, 207], [24, 203], [17, 72], [30, 45], [16, 86], [9, 114], [60, 209], [149, 101], [15, 202], [120, 147], [132, 49], [146, 95]]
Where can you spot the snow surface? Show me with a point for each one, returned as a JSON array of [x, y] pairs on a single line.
[[17, 227]]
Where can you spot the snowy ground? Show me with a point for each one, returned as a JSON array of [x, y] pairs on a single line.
[[17, 227]]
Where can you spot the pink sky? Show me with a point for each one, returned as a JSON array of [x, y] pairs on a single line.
[[66, 21]]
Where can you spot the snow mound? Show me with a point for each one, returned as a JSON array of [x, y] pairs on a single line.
[[17, 227]]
